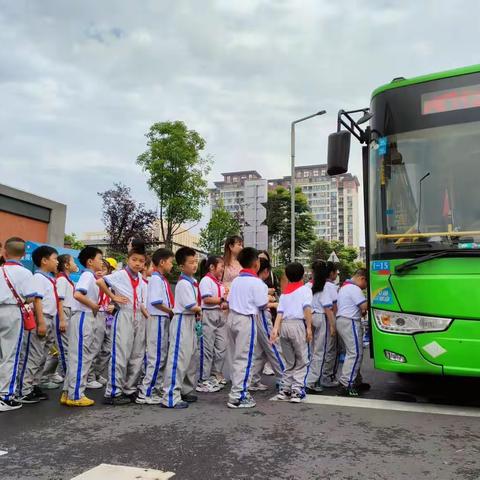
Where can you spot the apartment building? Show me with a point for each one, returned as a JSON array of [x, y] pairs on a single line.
[[334, 201]]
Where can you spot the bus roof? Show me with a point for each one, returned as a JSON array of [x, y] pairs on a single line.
[[426, 78]]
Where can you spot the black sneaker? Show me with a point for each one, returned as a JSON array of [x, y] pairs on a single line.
[[120, 400], [39, 393], [363, 387], [29, 398], [347, 392], [7, 405], [132, 397], [189, 398]]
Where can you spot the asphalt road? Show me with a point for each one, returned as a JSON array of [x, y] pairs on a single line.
[[274, 441]]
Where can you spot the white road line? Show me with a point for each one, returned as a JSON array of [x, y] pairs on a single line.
[[3, 452], [118, 472], [393, 405]]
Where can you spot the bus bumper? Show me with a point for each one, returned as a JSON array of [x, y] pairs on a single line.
[[455, 351]]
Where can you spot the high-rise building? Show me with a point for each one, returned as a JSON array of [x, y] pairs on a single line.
[[334, 201], [231, 192]]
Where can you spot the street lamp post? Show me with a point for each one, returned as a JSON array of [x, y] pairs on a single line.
[[292, 182]]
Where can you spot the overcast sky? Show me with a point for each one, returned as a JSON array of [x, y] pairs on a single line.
[[82, 81]]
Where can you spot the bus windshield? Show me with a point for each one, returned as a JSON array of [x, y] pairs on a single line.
[[425, 190]]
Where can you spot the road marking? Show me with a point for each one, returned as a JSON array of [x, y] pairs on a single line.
[[3, 452], [105, 471], [393, 405]]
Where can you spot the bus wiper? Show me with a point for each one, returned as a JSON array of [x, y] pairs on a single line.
[[411, 264]]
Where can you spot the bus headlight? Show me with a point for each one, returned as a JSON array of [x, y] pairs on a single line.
[[397, 322]]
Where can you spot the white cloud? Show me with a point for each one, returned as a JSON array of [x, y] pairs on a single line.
[[81, 82]]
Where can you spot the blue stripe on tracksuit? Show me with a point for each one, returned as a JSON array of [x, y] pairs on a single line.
[[202, 353], [80, 358], [175, 361], [309, 353], [356, 354], [249, 361], [274, 348], [60, 344], [158, 357], [114, 355], [11, 387], [25, 360]]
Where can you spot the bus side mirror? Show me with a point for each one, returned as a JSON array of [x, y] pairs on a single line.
[[338, 152]]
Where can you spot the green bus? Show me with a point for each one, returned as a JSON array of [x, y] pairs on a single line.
[[421, 175]]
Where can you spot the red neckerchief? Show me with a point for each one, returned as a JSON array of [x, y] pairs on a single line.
[[64, 275], [291, 287], [134, 282], [347, 282], [103, 300], [217, 282], [10, 263], [248, 272], [55, 292], [171, 299]]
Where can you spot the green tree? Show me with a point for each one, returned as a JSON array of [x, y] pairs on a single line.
[[347, 256], [278, 222], [71, 241], [221, 225], [177, 174]]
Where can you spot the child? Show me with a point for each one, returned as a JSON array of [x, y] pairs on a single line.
[[264, 350], [323, 323], [65, 289], [248, 296], [80, 331], [181, 366], [46, 305], [213, 342], [128, 334], [99, 331], [160, 309], [15, 281], [294, 317], [352, 306]]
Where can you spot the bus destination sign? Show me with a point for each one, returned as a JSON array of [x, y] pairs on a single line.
[[450, 100]]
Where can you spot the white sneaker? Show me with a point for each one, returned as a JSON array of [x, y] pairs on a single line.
[[153, 400], [248, 402], [295, 397], [56, 378], [267, 370], [49, 385], [102, 380], [207, 387], [258, 387], [281, 397], [94, 385], [7, 405]]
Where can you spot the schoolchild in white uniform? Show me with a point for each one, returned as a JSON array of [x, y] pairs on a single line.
[[80, 330], [159, 303], [180, 372], [323, 323], [12, 273], [247, 298], [128, 331], [46, 305], [264, 350], [213, 342], [65, 289], [352, 305], [294, 326]]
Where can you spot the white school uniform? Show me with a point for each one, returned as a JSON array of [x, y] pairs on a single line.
[[128, 334], [65, 289], [213, 342], [11, 324], [35, 348], [248, 297], [293, 339], [350, 330], [80, 337], [181, 365], [156, 334]]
